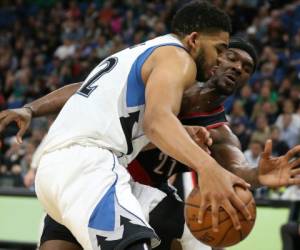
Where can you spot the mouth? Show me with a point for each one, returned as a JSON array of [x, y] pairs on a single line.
[[231, 79], [231, 76]]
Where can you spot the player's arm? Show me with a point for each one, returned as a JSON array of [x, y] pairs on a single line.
[[172, 73], [199, 134], [226, 149], [46, 105], [53, 102], [164, 90], [271, 171]]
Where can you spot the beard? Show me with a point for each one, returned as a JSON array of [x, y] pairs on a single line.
[[200, 60], [223, 89]]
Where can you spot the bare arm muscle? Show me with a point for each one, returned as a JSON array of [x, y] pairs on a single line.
[[226, 149], [174, 71], [54, 101]]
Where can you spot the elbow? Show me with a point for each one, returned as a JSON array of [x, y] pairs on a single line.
[[156, 122], [151, 125]]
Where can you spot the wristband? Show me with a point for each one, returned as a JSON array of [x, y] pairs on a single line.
[[30, 108]]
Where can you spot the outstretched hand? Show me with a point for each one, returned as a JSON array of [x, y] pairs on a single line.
[[22, 116], [279, 171]]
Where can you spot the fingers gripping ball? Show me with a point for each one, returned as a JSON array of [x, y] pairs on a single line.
[[227, 234]]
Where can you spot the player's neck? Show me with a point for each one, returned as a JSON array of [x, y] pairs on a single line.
[[201, 99], [213, 94]]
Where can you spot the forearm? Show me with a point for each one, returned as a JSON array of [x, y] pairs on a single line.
[[167, 133], [193, 133], [53, 102], [232, 158]]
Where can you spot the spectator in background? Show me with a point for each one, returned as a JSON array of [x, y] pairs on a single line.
[[266, 102], [252, 154], [284, 90], [11, 177], [238, 113], [290, 133], [289, 124], [10, 169], [270, 110], [288, 108], [248, 99], [67, 49], [103, 47], [295, 97], [240, 130], [295, 52], [262, 130], [280, 147]]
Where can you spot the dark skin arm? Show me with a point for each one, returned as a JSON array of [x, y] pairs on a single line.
[[54, 101], [46, 105], [271, 171], [226, 149]]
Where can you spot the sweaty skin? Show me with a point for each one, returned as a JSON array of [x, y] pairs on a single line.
[[235, 69], [226, 146], [196, 99]]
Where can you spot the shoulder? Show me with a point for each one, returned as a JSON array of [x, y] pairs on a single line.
[[173, 60], [173, 54]]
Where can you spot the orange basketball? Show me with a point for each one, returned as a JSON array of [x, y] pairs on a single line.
[[227, 235]]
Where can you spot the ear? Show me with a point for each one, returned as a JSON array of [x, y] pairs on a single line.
[[193, 40]]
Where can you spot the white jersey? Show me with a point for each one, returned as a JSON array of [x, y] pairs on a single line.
[[107, 111]]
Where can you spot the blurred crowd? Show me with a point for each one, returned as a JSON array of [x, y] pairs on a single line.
[[45, 45]]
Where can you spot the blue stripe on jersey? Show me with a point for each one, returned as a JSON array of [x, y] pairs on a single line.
[[103, 216], [135, 95]]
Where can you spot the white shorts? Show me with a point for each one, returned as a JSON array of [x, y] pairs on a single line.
[[88, 191]]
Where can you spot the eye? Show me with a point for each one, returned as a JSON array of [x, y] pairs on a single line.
[[230, 56], [220, 49]]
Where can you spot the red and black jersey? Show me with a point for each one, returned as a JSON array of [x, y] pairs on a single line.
[[153, 167]]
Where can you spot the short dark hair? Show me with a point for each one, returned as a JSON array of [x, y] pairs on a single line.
[[240, 43], [200, 16]]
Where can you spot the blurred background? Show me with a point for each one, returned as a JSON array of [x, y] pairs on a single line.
[[46, 44]]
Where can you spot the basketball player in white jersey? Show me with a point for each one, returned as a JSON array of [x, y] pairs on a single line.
[[129, 99], [240, 58]]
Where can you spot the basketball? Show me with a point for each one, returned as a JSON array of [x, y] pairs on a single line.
[[227, 234]]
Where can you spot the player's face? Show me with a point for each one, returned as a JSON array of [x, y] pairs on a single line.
[[234, 70], [211, 46]]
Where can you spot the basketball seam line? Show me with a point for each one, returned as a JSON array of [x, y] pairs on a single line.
[[220, 222]]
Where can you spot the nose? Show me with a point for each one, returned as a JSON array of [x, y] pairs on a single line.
[[237, 67]]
